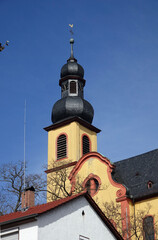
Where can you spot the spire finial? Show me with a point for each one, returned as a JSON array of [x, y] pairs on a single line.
[[71, 40]]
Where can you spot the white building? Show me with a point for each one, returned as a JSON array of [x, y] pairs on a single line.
[[75, 218]]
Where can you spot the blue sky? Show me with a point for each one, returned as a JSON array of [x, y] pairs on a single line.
[[116, 41]]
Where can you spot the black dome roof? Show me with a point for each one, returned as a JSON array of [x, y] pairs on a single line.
[[71, 107], [72, 103], [72, 68]]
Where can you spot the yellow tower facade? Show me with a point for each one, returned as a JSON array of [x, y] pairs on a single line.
[[74, 130], [80, 138]]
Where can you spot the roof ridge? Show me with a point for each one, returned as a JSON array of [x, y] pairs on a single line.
[[154, 150], [45, 206]]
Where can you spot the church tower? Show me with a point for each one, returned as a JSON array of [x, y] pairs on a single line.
[[72, 134]]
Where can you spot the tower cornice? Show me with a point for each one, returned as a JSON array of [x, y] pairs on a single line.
[[72, 119], [72, 77]]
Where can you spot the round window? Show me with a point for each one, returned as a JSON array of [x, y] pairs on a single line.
[[92, 186]]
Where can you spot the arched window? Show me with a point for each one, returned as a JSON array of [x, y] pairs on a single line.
[[85, 145], [148, 228], [61, 147], [73, 88], [92, 186], [150, 184]]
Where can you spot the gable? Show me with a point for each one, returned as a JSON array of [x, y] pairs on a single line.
[[72, 220], [95, 165]]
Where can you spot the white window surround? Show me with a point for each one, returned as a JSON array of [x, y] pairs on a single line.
[[73, 94]]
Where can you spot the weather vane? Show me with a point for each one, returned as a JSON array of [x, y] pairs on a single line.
[[2, 47], [71, 27]]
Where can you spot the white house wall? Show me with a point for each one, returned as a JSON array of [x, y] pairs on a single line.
[[28, 231], [67, 222]]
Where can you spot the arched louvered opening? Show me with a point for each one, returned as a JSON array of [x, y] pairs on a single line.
[[61, 147], [73, 87], [148, 228], [85, 145]]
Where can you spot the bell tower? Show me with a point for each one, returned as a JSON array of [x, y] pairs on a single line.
[[72, 134]]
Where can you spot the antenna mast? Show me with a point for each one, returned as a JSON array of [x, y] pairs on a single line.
[[24, 147]]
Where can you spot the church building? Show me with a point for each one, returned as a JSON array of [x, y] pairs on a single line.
[[126, 191]]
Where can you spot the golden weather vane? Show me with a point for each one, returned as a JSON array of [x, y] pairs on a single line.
[[71, 27], [2, 47]]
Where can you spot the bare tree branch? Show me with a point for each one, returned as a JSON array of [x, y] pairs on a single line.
[[11, 187], [135, 226]]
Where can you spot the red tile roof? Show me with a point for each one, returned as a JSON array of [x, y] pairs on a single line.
[[39, 209]]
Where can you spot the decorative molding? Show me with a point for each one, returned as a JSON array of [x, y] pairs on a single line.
[[125, 216], [84, 158], [90, 143], [60, 167], [121, 192], [68, 121]]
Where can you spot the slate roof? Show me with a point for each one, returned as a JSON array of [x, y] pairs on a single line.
[[136, 172]]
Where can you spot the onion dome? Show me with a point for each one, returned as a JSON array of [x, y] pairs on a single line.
[[72, 67], [72, 102], [71, 107]]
